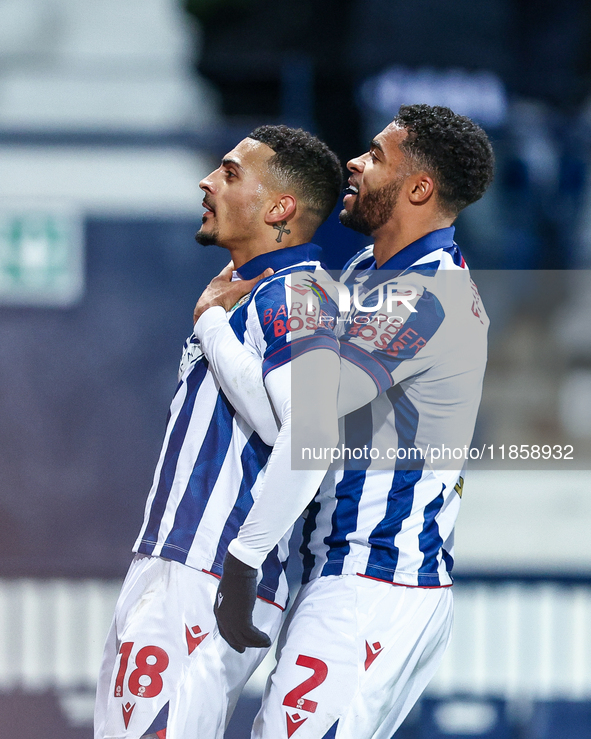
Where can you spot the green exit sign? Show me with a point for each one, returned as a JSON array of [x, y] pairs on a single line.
[[41, 254]]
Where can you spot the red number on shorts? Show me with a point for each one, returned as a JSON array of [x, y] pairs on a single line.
[[295, 698], [125, 651], [152, 671]]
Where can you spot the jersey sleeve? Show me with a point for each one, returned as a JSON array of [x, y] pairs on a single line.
[[285, 492], [393, 343], [294, 315]]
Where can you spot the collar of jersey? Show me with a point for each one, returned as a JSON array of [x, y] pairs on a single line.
[[440, 239], [280, 259]]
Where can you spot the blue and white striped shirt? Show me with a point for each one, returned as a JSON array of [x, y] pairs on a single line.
[[396, 524], [212, 462]]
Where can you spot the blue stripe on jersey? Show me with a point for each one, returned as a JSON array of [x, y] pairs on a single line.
[[203, 478], [368, 363], [308, 559], [271, 572], [448, 559], [430, 543], [168, 469], [287, 352], [238, 322], [358, 433], [384, 554], [344, 519], [253, 458]]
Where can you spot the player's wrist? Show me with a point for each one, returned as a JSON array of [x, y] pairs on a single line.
[[245, 555], [235, 567]]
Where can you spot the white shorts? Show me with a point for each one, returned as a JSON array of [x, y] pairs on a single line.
[[354, 656], [165, 666]]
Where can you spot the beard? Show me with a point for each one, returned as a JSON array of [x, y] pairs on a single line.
[[206, 238], [370, 212]]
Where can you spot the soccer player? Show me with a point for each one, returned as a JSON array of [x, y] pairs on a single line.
[[372, 620], [166, 671]]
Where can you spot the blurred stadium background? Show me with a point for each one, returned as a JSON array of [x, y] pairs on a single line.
[[110, 113]]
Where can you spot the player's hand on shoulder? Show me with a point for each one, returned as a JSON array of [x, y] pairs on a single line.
[[224, 292], [234, 605]]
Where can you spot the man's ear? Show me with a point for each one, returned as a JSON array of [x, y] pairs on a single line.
[[283, 208], [422, 188]]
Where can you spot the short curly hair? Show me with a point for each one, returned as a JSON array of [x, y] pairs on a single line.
[[452, 148], [305, 165]]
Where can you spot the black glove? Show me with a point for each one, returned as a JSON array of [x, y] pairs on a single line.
[[234, 605]]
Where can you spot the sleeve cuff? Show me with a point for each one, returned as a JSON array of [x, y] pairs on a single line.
[[211, 318], [246, 555]]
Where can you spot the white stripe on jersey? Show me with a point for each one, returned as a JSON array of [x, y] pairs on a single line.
[[397, 524], [212, 462]]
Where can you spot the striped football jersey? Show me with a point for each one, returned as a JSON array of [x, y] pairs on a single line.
[[212, 462], [389, 514]]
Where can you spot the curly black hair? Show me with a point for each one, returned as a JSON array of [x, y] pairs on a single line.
[[305, 165], [452, 148]]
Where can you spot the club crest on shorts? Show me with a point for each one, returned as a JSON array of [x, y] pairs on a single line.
[[294, 722], [371, 653], [194, 637], [127, 711]]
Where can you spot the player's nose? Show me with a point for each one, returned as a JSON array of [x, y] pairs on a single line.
[[356, 165], [207, 183]]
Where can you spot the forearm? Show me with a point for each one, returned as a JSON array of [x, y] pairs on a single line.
[[286, 492], [283, 498]]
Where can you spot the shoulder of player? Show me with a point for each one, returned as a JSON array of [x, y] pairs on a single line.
[[274, 295], [357, 261], [293, 279]]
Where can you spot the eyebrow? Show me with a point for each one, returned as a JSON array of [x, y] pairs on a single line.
[[227, 161]]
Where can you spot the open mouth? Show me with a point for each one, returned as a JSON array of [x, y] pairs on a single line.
[[208, 210], [351, 190]]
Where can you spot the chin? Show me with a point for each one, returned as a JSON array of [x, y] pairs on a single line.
[[206, 238], [351, 219]]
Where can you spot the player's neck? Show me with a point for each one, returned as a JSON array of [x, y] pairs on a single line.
[[245, 251]]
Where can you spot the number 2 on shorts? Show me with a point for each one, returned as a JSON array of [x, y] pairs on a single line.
[[295, 698], [153, 670]]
